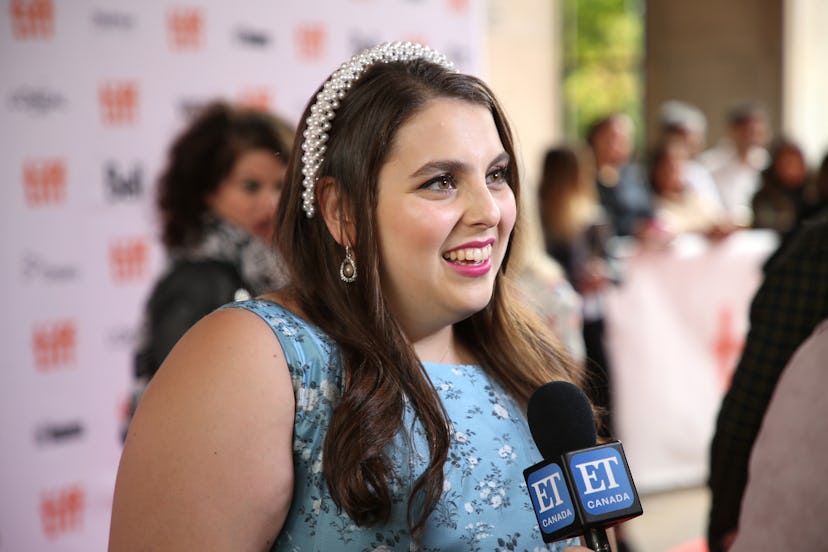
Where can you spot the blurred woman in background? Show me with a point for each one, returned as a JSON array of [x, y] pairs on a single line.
[[788, 192], [217, 200]]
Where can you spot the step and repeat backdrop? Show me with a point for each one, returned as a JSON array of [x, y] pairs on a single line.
[[91, 94]]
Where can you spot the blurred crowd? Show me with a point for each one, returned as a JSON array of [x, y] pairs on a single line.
[[602, 196], [602, 199]]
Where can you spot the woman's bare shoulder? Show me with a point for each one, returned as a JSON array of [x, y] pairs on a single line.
[[208, 456]]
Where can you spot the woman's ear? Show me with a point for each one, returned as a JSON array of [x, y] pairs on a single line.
[[335, 211]]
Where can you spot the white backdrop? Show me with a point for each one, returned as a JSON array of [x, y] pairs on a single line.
[[91, 94]]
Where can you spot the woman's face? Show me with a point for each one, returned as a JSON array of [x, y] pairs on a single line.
[[790, 168], [445, 212], [249, 195], [669, 173]]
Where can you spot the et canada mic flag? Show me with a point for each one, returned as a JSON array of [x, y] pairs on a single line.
[[579, 486]]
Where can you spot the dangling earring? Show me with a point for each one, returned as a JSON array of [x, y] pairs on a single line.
[[348, 269]]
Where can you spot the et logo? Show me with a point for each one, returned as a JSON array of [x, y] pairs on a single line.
[[601, 480], [550, 497]]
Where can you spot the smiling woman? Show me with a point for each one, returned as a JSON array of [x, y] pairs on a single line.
[[378, 408]]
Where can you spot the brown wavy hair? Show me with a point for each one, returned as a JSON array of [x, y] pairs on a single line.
[[381, 370], [202, 156]]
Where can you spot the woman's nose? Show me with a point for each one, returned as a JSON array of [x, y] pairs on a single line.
[[482, 207]]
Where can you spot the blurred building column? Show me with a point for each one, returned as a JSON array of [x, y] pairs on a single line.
[[805, 76], [524, 45], [524, 70], [712, 54]]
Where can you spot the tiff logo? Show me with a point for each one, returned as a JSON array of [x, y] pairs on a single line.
[[61, 511], [460, 6], [128, 259], [310, 40], [32, 19], [123, 184], [44, 182], [54, 345], [119, 102], [185, 27], [255, 98]]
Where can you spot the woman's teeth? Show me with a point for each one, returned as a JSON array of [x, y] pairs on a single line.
[[469, 254]]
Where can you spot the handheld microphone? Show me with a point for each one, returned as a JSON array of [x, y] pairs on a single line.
[[580, 488]]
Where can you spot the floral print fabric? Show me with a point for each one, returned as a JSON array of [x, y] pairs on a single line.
[[485, 504]]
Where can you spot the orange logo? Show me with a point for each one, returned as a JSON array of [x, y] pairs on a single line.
[[54, 344], [61, 511], [185, 27], [255, 98], [44, 182], [727, 347], [119, 102], [32, 19], [459, 6], [128, 258], [311, 40]]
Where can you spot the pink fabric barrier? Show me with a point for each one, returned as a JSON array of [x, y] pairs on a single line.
[[675, 330]]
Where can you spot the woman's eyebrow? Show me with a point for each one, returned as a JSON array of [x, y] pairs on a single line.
[[450, 166], [446, 165]]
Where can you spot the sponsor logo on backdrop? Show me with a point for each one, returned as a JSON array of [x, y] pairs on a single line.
[[122, 184], [727, 346], [32, 19], [255, 98], [311, 41], [458, 54], [188, 107], [48, 433], [459, 6], [361, 42], [128, 259], [62, 510], [54, 345], [122, 337], [37, 268], [254, 38], [113, 20], [37, 100], [185, 28], [44, 182], [119, 102]]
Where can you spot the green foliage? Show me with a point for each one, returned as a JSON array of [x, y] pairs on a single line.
[[603, 58]]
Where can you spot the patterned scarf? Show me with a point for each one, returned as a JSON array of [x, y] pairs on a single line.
[[259, 265]]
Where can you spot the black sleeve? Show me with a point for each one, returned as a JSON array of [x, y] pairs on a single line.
[[183, 296]]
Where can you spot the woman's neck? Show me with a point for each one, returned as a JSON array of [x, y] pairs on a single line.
[[442, 347]]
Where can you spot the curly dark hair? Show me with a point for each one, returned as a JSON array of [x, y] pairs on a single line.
[[203, 155]]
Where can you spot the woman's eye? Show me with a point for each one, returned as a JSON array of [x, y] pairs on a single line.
[[251, 186], [442, 182], [498, 175]]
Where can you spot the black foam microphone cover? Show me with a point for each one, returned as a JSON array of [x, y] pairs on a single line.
[[561, 419]]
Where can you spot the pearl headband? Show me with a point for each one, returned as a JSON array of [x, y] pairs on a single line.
[[324, 108]]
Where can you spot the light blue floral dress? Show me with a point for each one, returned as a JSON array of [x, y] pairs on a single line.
[[485, 505]]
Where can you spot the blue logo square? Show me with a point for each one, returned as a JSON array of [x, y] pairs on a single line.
[[550, 498], [601, 480]]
